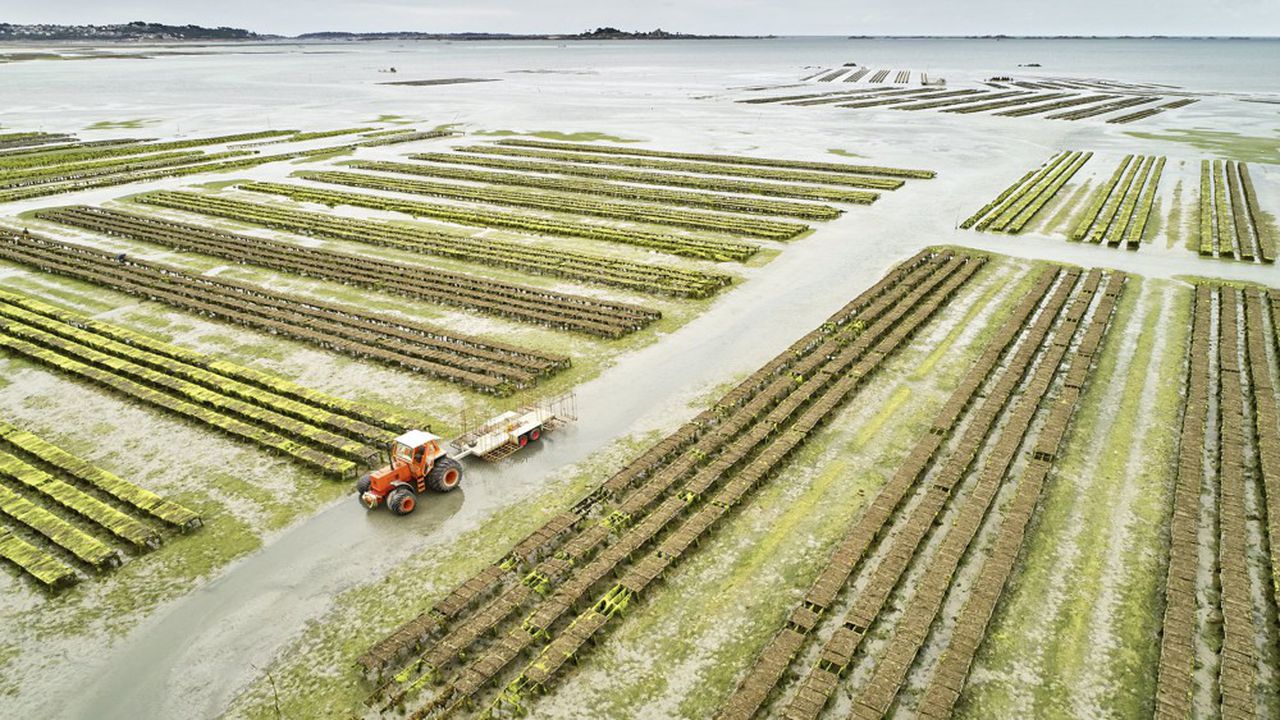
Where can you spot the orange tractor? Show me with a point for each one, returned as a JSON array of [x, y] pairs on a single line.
[[418, 464]]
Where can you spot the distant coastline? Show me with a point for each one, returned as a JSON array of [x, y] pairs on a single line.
[[140, 31], [123, 32], [604, 33]]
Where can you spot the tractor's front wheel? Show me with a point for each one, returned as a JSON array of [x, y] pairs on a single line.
[[362, 490], [402, 501], [446, 476]]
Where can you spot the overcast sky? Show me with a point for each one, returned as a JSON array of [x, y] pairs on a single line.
[[778, 17]]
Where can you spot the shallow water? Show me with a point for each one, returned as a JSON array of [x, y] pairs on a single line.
[[278, 84]]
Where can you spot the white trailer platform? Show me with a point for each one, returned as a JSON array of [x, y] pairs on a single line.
[[500, 437]]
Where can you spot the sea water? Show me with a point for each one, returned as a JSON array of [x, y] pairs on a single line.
[[263, 84]]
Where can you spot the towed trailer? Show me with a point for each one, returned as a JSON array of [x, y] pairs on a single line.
[[418, 461], [500, 437]]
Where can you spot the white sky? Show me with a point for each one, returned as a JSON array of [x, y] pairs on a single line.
[[778, 17]]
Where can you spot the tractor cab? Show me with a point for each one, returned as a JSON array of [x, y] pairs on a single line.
[[417, 463], [417, 450]]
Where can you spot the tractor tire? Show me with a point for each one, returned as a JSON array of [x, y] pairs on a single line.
[[362, 485], [401, 501], [446, 476]]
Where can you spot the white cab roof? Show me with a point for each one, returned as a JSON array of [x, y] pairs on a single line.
[[414, 438]]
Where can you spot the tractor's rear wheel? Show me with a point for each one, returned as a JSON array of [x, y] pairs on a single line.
[[446, 476], [402, 501]]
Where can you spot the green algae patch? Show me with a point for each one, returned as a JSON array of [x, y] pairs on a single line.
[[393, 119], [582, 136], [8, 654], [1059, 209], [121, 124], [945, 346], [763, 257], [1156, 223], [1174, 234], [875, 427], [219, 184], [1249, 148]]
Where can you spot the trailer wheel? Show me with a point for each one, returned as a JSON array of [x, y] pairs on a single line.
[[401, 501], [522, 440], [534, 434], [446, 476]]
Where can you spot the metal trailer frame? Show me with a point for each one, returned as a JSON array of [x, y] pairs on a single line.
[[500, 437]]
